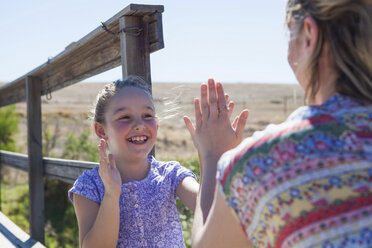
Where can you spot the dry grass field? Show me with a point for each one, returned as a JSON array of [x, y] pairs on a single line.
[[68, 110]]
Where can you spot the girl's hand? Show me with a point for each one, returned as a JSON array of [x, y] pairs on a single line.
[[108, 172], [213, 133]]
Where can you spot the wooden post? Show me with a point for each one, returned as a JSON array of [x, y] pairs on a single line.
[[1, 181], [35, 158], [135, 50]]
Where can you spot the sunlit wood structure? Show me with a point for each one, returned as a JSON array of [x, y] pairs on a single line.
[[126, 39]]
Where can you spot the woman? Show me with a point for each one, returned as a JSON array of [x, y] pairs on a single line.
[[306, 182]]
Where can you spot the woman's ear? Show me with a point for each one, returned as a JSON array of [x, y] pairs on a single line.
[[311, 31], [157, 122], [100, 131]]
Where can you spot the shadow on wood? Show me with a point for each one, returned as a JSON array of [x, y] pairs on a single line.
[[13, 236]]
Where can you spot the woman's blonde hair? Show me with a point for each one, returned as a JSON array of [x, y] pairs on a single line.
[[346, 25]]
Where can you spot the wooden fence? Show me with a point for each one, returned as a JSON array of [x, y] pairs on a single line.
[[126, 39]]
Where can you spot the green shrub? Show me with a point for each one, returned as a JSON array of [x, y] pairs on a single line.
[[50, 138], [8, 127], [80, 148], [61, 224], [62, 228], [14, 204], [186, 216]]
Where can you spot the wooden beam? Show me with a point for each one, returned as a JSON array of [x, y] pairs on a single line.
[[62, 169], [66, 170], [13, 236], [156, 32], [135, 50], [14, 160], [95, 53], [35, 158]]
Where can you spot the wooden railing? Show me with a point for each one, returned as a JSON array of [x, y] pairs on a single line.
[[62, 169], [126, 39]]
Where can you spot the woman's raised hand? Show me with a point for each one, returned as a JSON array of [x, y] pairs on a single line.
[[108, 172], [213, 133]]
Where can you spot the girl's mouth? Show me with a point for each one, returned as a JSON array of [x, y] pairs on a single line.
[[138, 139]]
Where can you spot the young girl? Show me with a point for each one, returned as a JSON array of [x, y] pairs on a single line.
[[130, 199]]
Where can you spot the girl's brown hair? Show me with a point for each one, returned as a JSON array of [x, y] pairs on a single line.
[[104, 96], [346, 25]]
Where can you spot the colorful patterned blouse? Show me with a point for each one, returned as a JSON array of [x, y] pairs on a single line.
[[148, 212], [306, 182]]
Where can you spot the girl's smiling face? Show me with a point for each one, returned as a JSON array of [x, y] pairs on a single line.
[[131, 125]]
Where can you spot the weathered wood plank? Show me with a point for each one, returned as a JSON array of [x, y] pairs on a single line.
[[15, 160], [81, 56], [66, 170], [35, 158], [61, 169], [156, 32], [13, 236], [134, 52]]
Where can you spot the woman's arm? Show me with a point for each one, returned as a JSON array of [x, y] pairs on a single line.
[[215, 224], [99, 225], [213, 134]]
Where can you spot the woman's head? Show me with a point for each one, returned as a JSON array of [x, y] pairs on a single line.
[[345, 27]]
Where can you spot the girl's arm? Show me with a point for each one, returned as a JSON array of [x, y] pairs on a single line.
[[99, 225], [187, 190]]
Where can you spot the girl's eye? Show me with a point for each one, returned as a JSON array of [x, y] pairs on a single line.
[[125, 117], [148, 116]]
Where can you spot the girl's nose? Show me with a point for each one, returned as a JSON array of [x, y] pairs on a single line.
[[139, 125]]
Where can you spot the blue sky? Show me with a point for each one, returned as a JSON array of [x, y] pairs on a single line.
[[231, 41]]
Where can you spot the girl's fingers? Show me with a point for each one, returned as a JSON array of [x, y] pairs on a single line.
[[112, 163], [213, 103], [102, 154], [204, 101], [241, 123]]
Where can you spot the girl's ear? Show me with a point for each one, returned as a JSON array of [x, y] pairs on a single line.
[[100, 130], [157, 122]]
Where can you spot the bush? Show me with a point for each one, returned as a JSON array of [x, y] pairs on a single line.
[[8, 128], [186, 216], [80, 148], [61, 228], [61, 224], [50, 138]]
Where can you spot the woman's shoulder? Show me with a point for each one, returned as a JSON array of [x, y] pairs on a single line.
[[308, 130], [336, 106]]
